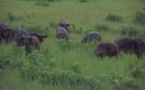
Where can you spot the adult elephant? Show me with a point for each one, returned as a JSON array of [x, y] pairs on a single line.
[[30, 43], [16, 34], [131, 45], [92, 36], [12, 35], [106, 49], [9, 34], [4, 33], [62, 31], [1, 31]]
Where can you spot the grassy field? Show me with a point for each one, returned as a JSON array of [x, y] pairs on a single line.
[[71, 65]]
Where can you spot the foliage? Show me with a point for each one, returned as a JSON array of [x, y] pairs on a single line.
[[140, 16], [138, 72], [46, 69], [84, 0], [113, 18], [129, 30], [101, 27]]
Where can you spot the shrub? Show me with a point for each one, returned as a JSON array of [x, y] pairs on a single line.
[[129, 30], [140, 16], [137, 72], [114, 18], [33, 65], [84, 0], [141, 33], [130, 84], [101, 27], [5, 61]]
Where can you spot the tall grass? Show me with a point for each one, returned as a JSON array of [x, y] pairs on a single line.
[[71, 67]]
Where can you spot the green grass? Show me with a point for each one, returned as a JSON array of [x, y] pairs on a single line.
[[70, 61]]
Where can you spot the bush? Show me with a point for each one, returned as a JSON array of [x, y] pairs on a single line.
[[36, 67], [33, 65], [84, 0], [101, 27], [140, 16], [141, 33], [137, 72], [130, 84], [129, 30], [114, 18]]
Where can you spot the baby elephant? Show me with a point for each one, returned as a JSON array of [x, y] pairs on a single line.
[[61, 33], [30, 42], [106, 49], [92, 36]]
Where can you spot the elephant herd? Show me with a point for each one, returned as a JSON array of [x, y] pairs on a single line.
[[122, 44], [21, 37]]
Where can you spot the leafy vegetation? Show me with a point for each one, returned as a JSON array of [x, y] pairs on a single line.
[[130, 31], [140, 16], [114, 18], [84, 0]]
